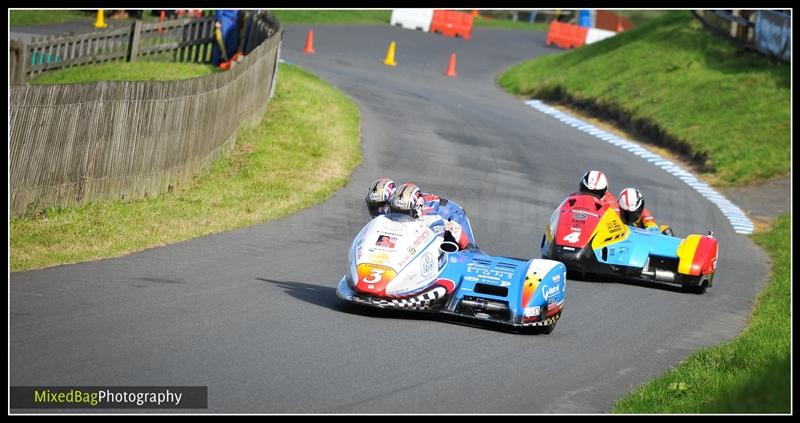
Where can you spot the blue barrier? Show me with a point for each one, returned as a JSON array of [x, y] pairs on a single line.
[[773, 34], [585, 18], [43, 58]]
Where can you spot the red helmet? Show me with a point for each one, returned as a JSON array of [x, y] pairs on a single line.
[[631, 205]]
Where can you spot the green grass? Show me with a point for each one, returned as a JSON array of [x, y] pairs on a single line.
[[48, 17], [638, 17], [45, 17], [125, 71], [731, 105], [348, 17], [747, 375], [303, 150]]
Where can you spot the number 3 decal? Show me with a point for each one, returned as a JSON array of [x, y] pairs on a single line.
[[374, 277], [573, 237]]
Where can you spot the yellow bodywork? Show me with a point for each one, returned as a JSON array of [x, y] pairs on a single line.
[[686, 251], [609, 230]]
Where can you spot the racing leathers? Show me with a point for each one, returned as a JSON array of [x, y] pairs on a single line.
[[612, 201], [447, 219], [646, 221]]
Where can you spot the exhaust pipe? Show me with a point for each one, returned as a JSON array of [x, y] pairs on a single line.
[[485, 305], [448, 247], [659, 275]]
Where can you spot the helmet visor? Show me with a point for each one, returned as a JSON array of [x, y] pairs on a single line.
[[599, 193], [376, 209], [630, 217]]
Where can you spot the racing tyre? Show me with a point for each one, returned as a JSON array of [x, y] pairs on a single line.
[[548, 329], [698, 289]]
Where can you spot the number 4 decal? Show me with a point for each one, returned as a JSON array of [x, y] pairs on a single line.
[[572, 238]]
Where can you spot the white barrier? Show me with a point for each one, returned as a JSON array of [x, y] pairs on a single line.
[[594, 35], [415, 19]]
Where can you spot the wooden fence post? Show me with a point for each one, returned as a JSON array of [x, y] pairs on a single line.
[[20, 62], [133, 43]]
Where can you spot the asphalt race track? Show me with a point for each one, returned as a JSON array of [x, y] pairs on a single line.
[[253, 314]]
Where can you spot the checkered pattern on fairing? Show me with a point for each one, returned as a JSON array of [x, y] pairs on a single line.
[[420, 302]]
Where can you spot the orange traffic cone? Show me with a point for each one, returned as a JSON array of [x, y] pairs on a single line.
[[619, 26], [161, 20], [474, 12], [309, 43], [451, 67]]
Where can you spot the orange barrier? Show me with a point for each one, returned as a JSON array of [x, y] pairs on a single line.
[[566, 35], [452, 24], [612, 21]]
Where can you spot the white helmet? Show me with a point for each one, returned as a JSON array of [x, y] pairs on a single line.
[[407, 199], [594, 182], [378, 196], [631, 205]]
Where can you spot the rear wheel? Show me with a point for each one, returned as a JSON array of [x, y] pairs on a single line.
[[699, 289]]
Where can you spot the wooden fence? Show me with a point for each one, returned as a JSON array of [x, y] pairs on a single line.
[[130, 139], [183, 40]]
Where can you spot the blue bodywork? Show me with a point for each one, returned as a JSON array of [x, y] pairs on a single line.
[[634, 250], [500, 289]]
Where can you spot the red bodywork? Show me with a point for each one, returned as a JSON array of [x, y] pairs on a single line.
[[705, 256], [577, 218]]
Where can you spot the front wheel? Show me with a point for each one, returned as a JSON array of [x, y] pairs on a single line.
[[548, 329]]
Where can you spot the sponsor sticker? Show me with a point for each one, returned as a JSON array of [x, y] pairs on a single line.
[[532, 311], [386, 241], [428, 264], [379, 257], [424, 237], [579, 215], [549, 292]]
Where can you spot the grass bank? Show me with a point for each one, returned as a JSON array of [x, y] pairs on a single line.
[[675, 84], [750, 374], [303, 150], [46, 17], [125, 71], [50, 17]]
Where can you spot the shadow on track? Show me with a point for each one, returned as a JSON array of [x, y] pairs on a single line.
[[606, 279], [325, 296]]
